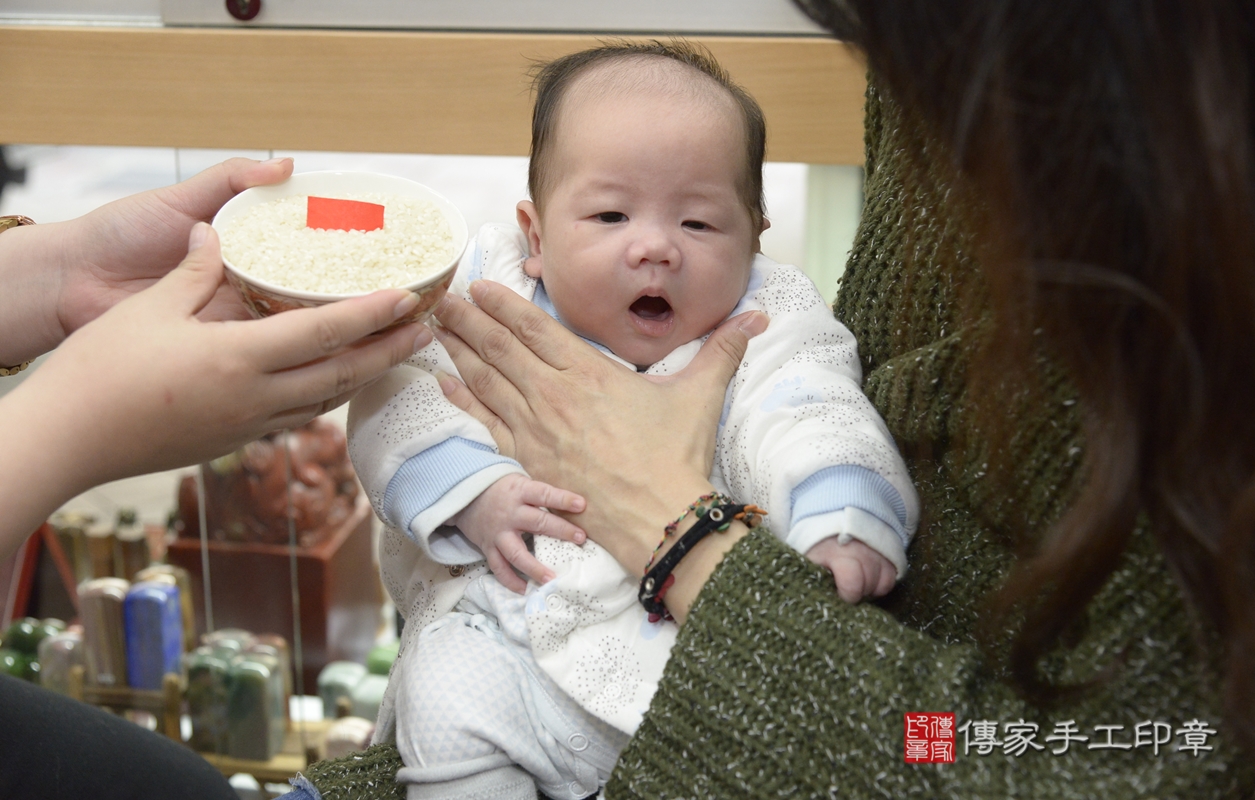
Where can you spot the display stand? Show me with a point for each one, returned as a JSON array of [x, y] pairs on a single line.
[[301, 747], [341, 598], [166, 703], [298, 752]]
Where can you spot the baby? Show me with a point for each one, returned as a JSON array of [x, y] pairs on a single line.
[[641, 236]]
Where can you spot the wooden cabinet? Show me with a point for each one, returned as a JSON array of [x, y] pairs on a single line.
[[340, 594]]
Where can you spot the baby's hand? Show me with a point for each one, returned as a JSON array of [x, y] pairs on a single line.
[[497, 519], [858, 570]]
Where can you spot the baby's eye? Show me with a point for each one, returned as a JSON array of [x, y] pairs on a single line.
[[611, 216], [696, 225]]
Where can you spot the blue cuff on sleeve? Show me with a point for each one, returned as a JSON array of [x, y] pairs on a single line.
[[423, 479], [835, 488]]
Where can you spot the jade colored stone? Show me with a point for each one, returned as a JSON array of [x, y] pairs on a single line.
[[47, 627], [59, 653], [336, 680], [255, 724], [207, 676], [13, 662], [22, 636], [379, 659], [367, 695]]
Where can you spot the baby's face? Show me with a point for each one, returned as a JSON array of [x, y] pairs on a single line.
[[644, 243]]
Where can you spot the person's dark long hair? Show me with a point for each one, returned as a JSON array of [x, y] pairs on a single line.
[[1112, 144]]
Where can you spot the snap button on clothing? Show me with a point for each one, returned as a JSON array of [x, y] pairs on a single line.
[[577, 741]]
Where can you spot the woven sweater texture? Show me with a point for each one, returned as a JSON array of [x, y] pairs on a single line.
[[776, 688]]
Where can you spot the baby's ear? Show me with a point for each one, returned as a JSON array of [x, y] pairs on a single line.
[[766, 223], [529, 222]]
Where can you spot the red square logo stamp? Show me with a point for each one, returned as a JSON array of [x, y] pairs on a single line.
[[928, 738]]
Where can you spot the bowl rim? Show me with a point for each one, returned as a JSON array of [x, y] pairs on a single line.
[[446, 207]]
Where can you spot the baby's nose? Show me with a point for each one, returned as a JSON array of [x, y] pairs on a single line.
[[653, 244]]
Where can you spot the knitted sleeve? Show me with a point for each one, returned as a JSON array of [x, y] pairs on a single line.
[[368, 775], [776, 688]]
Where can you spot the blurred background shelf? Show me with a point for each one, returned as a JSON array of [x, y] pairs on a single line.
[[300, 749], [165, 704], [340, 594], [371, 91]]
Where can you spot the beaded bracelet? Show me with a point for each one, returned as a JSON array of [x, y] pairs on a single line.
[[700, 506], [659, 579], [7, 371]]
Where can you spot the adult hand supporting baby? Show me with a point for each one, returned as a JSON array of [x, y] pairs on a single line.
[[638, 449], [148, 385]]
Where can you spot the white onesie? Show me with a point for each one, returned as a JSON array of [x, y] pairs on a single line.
[[797, 437]]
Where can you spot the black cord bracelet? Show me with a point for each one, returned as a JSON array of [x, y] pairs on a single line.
[[658, 579]]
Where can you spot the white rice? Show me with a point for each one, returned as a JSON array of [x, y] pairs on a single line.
[[269, 241]]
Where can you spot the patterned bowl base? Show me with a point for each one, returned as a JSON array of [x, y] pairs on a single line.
[[263, 303]]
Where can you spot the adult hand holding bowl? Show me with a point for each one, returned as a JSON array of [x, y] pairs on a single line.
[[320, 237]]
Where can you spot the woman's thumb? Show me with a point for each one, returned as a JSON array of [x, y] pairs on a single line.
[[723, 350], [193, 283]]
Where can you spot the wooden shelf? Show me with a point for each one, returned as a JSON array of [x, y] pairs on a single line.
[[292, 758], [303, 743], [368, 91], [165, 703]]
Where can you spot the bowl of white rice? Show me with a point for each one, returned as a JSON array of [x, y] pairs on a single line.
[[281, 255]]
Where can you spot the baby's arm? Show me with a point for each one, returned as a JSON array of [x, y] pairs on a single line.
[[421, 459], [496, 520], [801, 439], [858, 570]]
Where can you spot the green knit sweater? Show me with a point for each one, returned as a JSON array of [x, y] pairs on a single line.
[[776, 688]]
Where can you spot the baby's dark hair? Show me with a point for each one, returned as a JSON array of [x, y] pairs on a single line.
[[552, 80]]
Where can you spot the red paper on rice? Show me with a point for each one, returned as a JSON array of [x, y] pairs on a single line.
[[342, 215]]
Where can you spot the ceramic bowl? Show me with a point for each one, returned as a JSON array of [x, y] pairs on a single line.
[[265, 298]]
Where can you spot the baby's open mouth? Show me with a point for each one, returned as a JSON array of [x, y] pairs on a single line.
[[651, 308]]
